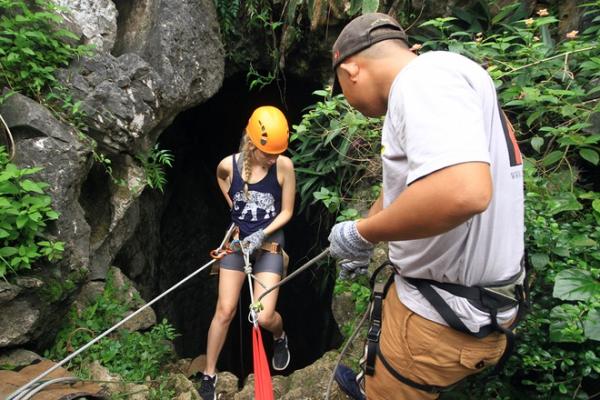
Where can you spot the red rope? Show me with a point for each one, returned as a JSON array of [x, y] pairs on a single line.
[[263, 387]]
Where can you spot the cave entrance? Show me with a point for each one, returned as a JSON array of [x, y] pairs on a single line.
[[193, 218]]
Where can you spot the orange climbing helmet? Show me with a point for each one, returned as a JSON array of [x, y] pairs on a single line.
[[268, 130]]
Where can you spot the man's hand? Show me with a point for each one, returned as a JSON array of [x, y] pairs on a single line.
[[353, 269], [253, 241], [347, 243]]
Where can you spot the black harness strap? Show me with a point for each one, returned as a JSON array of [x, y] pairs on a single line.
[[481, 297], [378, 294]]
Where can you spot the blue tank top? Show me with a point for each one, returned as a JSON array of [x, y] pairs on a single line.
[[262, 205]]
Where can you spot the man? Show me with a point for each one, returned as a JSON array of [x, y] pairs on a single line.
[[451, 210]]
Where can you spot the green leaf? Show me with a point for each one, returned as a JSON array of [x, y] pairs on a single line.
[[370, 6], [552, 158], [53, 215], [589, 155], [8, 251], [31, 186], [22, 220], [596, 205], [591, 325], [536, 143], [575, 284], [563, 202], [582, 241], [539, 260], [565, 325]]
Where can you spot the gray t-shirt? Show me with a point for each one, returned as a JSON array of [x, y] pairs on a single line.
[[442, 111]]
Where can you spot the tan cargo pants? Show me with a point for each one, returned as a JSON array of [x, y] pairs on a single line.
[[425, 352]]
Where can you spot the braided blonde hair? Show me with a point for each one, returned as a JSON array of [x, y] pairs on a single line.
[[246, 149]]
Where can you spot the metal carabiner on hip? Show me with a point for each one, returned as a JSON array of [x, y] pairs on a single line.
[[224, 248]]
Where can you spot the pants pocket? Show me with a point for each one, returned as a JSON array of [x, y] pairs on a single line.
[[475, 359]]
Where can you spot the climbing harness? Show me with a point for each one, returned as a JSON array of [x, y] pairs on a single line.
[[263, 387], [491, 299], [232, 243]]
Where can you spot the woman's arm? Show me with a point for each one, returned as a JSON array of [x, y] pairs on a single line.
[[224, 171], [285, 171]]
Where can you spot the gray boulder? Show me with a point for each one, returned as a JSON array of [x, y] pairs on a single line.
[[44, 141], [97, 20]]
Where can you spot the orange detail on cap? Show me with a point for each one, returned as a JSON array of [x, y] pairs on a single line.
[[268, 130]]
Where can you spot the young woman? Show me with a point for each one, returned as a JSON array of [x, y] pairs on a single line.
[[259, 186]]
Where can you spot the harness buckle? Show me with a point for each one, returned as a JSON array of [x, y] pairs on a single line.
[[374, 332]]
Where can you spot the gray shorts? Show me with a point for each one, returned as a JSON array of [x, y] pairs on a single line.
[[264, 262]]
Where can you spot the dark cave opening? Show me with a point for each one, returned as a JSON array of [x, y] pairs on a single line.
[[194, 217]]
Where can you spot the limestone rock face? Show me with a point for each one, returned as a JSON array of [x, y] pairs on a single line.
[[97, 20], [152, 60], [180, 40], [42, 140]]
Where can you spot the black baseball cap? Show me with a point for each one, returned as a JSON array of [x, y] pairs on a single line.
[[362, 32]]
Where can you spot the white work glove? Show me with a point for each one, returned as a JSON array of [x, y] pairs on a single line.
[[353, 269], [346, 243], [253, 241]]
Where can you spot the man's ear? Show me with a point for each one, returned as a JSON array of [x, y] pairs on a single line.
[[350, 69]]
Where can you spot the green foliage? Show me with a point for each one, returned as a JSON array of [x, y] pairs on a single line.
[[277, 25], [358, 289], [332, 150], [33, 46], [25, 210], [252, 18], [154, 163], [548, 86], [133, 355]]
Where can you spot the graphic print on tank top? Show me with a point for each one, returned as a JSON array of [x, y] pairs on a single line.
[[256, 201], [260, 206]]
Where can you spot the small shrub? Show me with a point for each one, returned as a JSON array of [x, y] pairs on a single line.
[[133, 355], [25, 210], [154, 163], [33, 46]]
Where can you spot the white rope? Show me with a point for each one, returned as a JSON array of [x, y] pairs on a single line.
[[32, 391], [10, 142], [21, 392], [253, 314], [296, 272]]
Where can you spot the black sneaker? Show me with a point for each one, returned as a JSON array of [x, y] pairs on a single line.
[[281, 354], [207, 387]]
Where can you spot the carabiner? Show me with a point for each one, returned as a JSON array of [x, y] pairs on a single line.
[[217, 254]]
